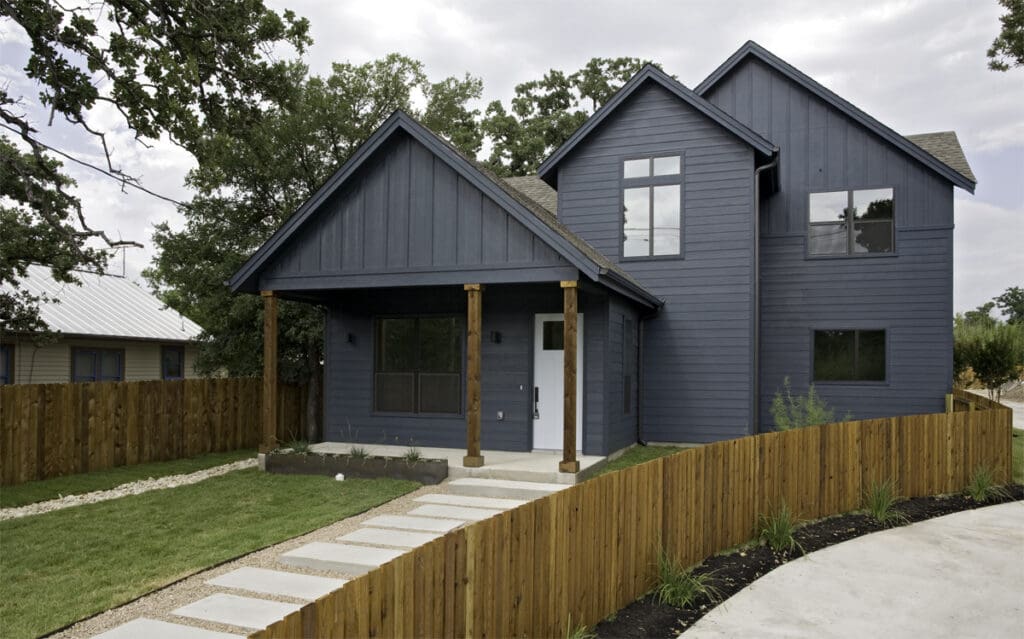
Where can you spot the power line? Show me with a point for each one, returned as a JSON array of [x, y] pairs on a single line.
[[123, 180]]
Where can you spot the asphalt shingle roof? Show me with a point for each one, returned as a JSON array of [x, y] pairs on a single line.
[[537, 190], [945, 147]]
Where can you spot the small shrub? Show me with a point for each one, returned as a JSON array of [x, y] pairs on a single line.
[[791, 412], [358, 452], [577, 632], [880, 502], [777, 530], [298, 446], [982, 487], [682, 588], [412, 455]]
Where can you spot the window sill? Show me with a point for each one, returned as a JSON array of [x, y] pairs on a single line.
[[397, 415], [851, 382], [651, 258], [855, 256]]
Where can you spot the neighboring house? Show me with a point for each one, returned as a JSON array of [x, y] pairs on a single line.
[[715, 242], [109, 329]]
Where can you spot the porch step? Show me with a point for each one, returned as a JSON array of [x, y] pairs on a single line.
[[153, 629], [454, 512], [244, 612], [390, 537], [502, 488], [472, 502], [344, 558], [277, 582], [422, 524]]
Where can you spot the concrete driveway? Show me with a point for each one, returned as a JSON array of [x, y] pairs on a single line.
[[961, 575]]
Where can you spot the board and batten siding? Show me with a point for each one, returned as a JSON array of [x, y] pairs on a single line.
[[404, 217], [698, 364], [51, 363], [909, 294]]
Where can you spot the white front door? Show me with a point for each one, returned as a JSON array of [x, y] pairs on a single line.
[[548, 380]]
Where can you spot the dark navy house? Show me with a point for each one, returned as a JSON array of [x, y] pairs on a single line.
[[677, 258]]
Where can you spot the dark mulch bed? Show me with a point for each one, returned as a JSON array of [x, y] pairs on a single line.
[[732, 572]]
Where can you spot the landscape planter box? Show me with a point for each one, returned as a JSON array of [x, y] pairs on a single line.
[[425, 471]]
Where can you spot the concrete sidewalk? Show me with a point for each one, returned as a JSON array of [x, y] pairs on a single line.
[[961, 575]]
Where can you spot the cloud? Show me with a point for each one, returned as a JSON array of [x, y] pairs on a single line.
[[987, 255]]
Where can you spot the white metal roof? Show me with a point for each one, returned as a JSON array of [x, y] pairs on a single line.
[[106, 305]]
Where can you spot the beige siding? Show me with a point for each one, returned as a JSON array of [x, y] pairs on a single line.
[[51, 363]]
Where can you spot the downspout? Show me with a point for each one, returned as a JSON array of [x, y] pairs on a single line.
[[641, 320], [756, 413]]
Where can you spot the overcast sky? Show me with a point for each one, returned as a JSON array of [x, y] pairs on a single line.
[[917, 66]]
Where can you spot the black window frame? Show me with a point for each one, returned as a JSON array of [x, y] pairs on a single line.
[[180, 350], [7, 355], [416, 412], [97, 363], [650, 181], [850, 228], [856, 356]]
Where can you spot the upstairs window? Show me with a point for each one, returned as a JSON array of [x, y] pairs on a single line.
[[651, 206], [97, 365], [849, 355], [418, 365], [6, 364], [172, 362], [851, 222]]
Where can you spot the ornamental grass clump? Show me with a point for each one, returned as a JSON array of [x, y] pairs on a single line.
[[682, 588], [982, 487], [777, 530], [880, 502], [799, 411]]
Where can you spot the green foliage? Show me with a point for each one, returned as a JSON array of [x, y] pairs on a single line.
[[358, 452], [1018, 456], [544, 113], [1007, 49], [982, 487], [171, 68], [298, 446], [412, 455], [994, 353], [680, 587], [776, 529], [636, 455], [1011, 303], [577, 632], [880, 502], [791, 411]]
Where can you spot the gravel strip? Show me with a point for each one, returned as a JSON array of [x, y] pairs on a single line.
[[131, 488]]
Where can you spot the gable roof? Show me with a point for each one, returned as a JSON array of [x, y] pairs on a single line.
[[532, 215], [753, 49], [105, 306], [945, 147], [651, 73], [536, 189]]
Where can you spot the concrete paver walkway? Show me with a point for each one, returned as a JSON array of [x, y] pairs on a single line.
[[961, 575]]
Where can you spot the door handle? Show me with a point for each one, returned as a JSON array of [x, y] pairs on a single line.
[[536, 401]]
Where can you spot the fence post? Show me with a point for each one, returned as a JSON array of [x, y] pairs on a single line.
[[949, 402]]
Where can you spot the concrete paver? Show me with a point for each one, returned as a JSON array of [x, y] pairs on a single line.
[[389, 537], [425, 524], [453, 512], [961, 575], [473, 502], [502, 488], [245, 612], [153, 629], [344, 558], [278, 582]]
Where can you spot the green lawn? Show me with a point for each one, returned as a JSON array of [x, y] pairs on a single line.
[[36, 491], [637, 455], [65, 565], [1018, 456]]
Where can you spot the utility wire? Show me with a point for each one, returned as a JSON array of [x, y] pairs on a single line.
[[123, 180]]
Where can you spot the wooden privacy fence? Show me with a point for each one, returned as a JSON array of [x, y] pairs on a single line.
[[587, 551], [48, 430]]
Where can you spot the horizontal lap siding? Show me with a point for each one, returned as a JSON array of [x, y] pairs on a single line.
[[909, 294], [697, 378]]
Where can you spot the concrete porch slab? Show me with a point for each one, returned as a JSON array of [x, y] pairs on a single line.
[[277, 582], [423, 524], [153, 629], [454, 512], [472, 502], [502, 488], [344, 558], [538, 466], [244, 612], [389, 537]]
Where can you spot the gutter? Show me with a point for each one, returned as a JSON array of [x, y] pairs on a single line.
[[756, 413]]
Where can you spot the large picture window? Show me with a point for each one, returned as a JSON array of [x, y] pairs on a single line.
[[849, 355], [418, 365], [651, 206], [851, 222], [97, 365]]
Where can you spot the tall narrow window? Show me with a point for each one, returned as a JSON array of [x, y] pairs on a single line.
[[418, 365], [651, 206], [849, 355], [172, 362], [97, 365], [851, 222], [6, 364]]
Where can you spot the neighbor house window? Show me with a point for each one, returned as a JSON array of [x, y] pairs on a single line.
[[849, 355], [172, 362], [6, 364], [651, 206], [418, 365], [97, 365], [851, 222]]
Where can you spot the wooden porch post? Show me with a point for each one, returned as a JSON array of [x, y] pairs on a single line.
[[474, 320], [269, 417], [569, 464]]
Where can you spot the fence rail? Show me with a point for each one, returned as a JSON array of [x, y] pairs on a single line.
[[48, 430], [587, 551]]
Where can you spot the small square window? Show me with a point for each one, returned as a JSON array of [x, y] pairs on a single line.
[[636, 168], [554, 335], [850, 222], [667, 165]]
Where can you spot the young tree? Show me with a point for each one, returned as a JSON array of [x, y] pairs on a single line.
[[170, 68], [1007, 49]]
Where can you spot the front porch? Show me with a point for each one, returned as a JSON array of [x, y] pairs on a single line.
[[536, 466]]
